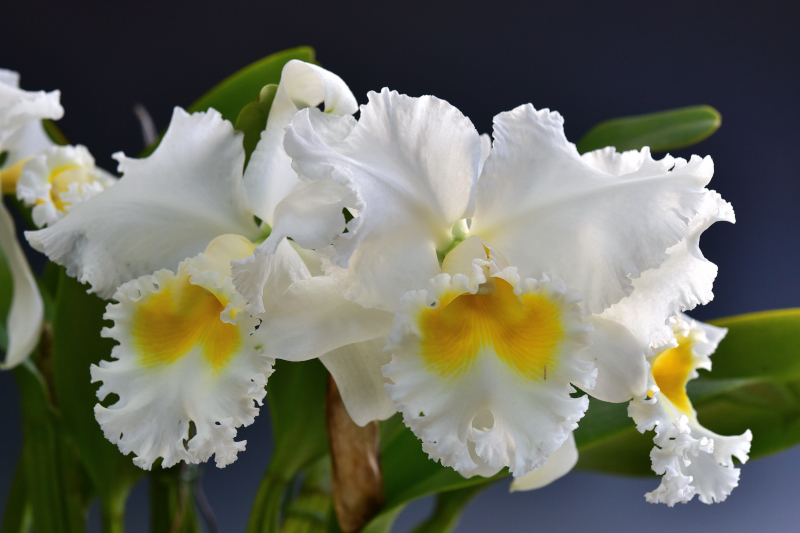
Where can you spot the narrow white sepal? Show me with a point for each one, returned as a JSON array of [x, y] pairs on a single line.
[[24, 322]]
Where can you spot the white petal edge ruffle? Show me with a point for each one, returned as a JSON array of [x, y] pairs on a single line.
[[19, 108], [165, 208], [682, 282], [550, 210], [25, 316]]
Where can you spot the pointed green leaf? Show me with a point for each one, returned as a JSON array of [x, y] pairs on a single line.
[[754, 384], [19, 512], [55, 484], [243, 87], [77, 344], [662, 131]]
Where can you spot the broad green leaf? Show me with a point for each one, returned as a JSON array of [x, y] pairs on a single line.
[[662, 131], [754, 385], [19, 512], [296, 397], [231, 95], [77, 344], [449, 507], [55, 484], [243, 87]]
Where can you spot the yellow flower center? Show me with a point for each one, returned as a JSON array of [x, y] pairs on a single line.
[[525, 332], [180, 318], [61, 177], [671, 371]]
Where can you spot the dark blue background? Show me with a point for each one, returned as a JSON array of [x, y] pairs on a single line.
[[590, 61]]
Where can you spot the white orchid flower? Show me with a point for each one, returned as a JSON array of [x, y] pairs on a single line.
[[188, 368], [56, 179], [487, 345], [21, 134], [691, 459]]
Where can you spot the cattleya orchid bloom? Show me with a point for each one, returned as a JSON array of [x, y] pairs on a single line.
[[498, 264], [188, 369], [690, 458], [58, 178], [21, 135]]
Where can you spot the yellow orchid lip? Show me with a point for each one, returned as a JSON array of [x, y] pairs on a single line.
[[671, 371], [525, 332], [180, 318]]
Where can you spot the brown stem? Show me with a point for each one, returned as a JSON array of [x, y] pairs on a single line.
[[355, 464]]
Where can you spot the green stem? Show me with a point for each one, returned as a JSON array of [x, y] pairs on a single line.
[[267, 507], [171, 503], [112, 512]]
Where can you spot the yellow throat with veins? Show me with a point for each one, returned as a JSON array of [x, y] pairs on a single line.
[[525, 332]]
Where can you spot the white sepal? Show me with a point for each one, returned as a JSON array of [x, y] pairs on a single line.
[[25, 316], [356, 369], [311, 318], [165, 208]]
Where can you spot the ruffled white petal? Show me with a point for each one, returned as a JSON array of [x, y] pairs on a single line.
[[184, 391], [682, 282], [560, 463], [487, 414], [24, 322], [411, 164], [691, 459], [58, 178], [18, 108], [311, 318], [356, 368], [269, 176], [550, 210], [165, 208]]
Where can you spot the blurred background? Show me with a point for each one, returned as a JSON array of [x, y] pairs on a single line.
[[590, 61]]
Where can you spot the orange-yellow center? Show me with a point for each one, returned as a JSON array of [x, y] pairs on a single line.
[[525, 332], [178, 319], [671, 371]]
